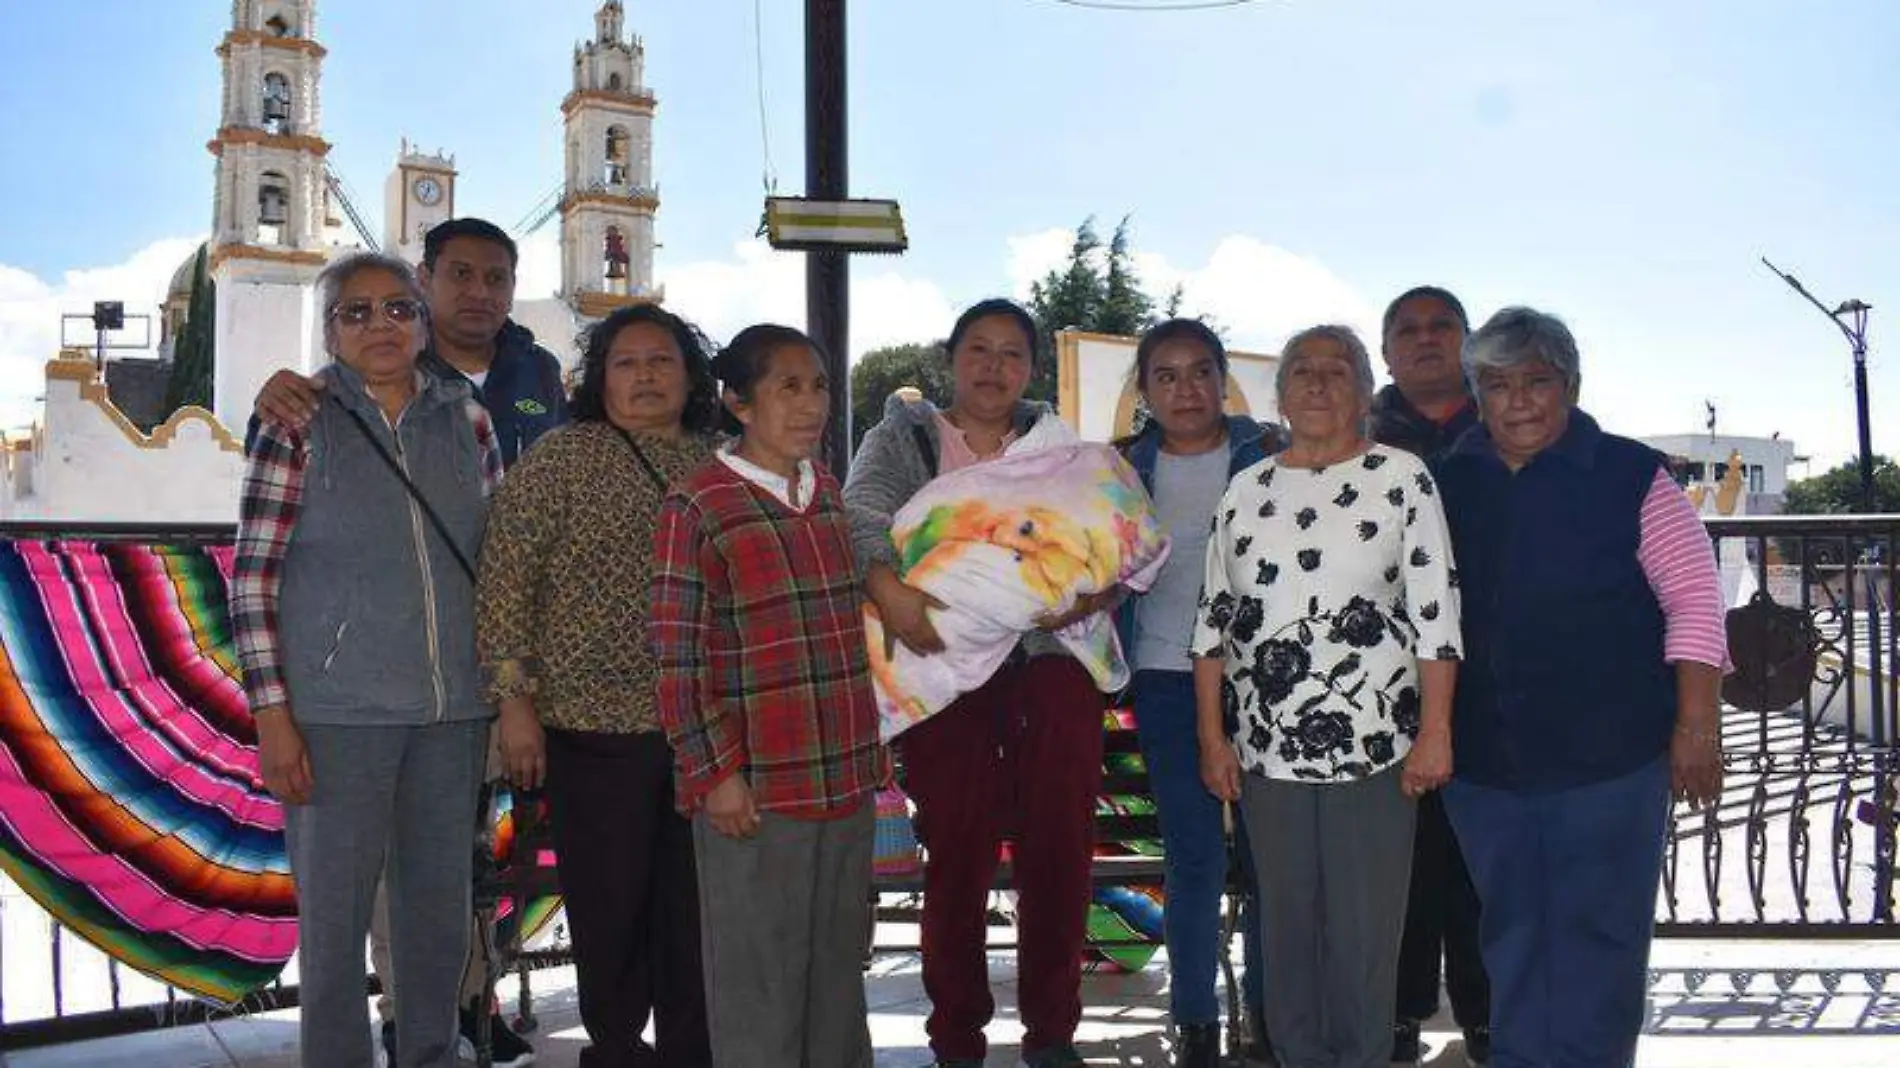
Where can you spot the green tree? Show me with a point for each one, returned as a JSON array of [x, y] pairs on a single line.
[[881, 372], [1837, 491], [1096, 289], [1126, 310], [195, 355]]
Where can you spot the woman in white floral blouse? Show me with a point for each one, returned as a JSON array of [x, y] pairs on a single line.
[[1327, 649]]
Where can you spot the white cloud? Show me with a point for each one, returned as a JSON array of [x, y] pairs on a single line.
[[1260, 293], [1031, 256], [759, 284], [30, 309]]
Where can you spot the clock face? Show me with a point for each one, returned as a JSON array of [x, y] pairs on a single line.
[[428, 190]]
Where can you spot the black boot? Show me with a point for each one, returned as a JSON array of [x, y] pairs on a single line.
[[1197, 1046]]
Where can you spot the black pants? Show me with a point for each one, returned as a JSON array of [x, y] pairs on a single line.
[[626, 865], [1441, 922]]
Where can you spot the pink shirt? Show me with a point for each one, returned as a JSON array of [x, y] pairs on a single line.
[[1678, 559], [953, 450]]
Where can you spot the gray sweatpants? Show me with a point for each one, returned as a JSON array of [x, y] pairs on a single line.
[[407, 795], [783, 917], [1334, 863]]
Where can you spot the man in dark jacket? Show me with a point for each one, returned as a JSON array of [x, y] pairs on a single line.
[[1423, 411], [468, 273], [468, 276]]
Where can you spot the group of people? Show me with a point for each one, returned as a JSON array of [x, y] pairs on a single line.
[[1449, 647]]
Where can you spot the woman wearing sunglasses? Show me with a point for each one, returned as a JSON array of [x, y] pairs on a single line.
[[353, 604]]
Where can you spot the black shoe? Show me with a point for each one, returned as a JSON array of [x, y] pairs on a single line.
[[506, 1049], [1478, 1046], [389, 1044], [1197, 1046], [956, 1062], [1405, 1046]]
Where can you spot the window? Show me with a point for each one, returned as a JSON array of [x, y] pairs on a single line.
[[614, 257], [616, 155], [273, 207], [613, 81], [276, 103]]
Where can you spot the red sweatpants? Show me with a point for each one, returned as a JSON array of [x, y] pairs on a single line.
[[1019, 758]]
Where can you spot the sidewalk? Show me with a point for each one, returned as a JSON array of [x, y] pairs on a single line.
[[1798, 1005]]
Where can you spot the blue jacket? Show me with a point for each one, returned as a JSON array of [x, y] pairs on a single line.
[[1563, 683], [1248, 443], [523, 393]]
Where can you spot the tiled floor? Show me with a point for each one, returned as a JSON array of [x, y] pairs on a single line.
[[1783, 1014]]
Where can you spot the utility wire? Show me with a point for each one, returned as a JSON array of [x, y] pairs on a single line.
[[1154, 5], [770, 177]]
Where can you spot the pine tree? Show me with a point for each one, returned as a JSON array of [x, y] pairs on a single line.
[[194, 356]]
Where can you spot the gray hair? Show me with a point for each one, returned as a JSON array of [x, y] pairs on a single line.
[[339, 274], [1517, 336], [1345, 338]]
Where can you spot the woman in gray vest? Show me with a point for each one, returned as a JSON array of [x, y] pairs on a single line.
[[353, 605]]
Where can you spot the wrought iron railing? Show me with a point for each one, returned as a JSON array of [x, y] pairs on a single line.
[[1802, 841], [1801, 844]]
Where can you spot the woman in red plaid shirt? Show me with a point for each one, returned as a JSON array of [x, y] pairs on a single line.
[[765, 693]]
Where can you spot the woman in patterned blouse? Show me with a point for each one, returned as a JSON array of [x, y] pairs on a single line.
[[1328, 633], [562, 615]]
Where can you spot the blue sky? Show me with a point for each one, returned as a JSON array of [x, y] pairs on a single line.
[[1620, 162]]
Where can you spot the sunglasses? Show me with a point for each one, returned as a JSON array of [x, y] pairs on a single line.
[[359, 313]]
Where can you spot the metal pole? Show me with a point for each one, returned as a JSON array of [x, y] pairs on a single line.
[[828, 272], [1851, 319]]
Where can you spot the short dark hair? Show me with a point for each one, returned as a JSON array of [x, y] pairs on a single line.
[[983, 309], [1182, 329], [589, 403], [1437, 293], [441, 234], [746, 358]]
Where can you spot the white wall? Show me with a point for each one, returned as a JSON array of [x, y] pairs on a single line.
[[90, 464], [266, 321]]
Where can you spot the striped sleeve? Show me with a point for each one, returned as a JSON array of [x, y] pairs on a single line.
[[1679, 561], [268, 506]]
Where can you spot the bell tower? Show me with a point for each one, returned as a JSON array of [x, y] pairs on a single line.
[[268, 234], [609, 200]]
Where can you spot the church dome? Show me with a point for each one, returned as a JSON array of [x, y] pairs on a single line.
[[180, 288]]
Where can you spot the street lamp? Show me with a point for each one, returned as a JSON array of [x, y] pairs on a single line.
[[1851, 319]]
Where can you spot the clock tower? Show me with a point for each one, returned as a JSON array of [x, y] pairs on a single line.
[[609, 200], [419, 194]]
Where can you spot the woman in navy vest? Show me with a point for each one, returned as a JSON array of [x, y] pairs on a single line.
[[1594, 648]]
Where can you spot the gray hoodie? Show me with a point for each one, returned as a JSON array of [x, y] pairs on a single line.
[[895, 459]]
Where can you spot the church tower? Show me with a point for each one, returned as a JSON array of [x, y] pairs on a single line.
[[610, 199], [268, 236]]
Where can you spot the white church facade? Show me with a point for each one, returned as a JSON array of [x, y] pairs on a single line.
[[280, 215]]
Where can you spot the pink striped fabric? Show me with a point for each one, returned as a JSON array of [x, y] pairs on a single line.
[[1677, 557]]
